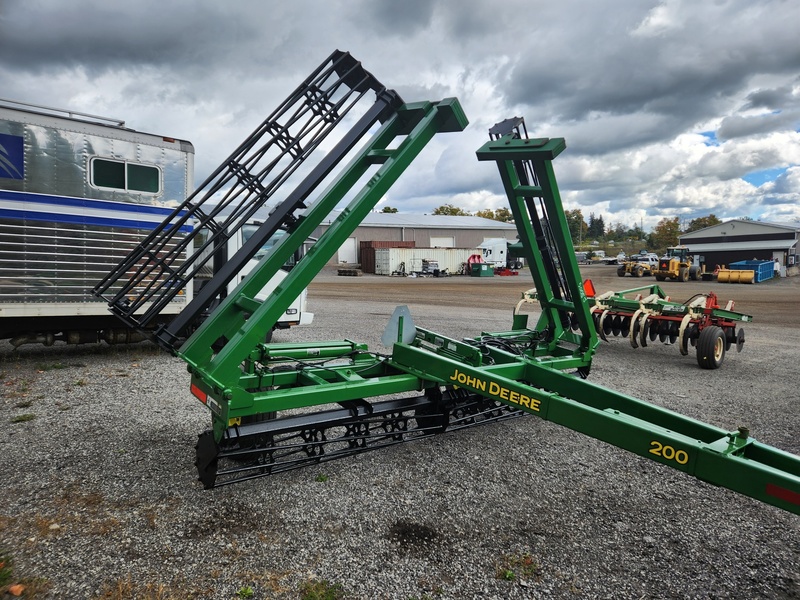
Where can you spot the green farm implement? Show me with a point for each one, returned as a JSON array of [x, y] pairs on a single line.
[[276, 407], [646, 314]]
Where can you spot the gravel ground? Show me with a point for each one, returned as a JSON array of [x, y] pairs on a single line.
[[100, 498]]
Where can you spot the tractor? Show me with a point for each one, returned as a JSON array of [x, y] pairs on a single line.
[[638, 265], [676, 264]]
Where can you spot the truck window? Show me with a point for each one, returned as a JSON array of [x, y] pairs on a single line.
[[121, 175], [249, 229]]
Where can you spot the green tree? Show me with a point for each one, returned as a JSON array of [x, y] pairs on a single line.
[[486, 213], [617, 232], [388, 209], [597, 228], [503, 214], [665, 233], [577, 226], [635, 233], [449, 209], [702, 223]]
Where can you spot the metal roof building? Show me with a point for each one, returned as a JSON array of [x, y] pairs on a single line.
[[738, 240], [425, 231]]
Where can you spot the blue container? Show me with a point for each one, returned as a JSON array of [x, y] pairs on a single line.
[[764, 269]]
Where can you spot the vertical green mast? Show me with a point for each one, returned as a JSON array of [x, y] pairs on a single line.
[[526, 170]]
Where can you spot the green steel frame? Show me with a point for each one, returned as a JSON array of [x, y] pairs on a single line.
[[528, 370]]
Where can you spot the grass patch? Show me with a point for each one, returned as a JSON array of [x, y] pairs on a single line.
[[519, 566], [5, 569], [23, 418], [321, 589], [321, 478], [13, 586], [42, 368], [128, 589]]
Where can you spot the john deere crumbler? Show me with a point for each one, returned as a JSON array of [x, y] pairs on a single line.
[[280, 406]]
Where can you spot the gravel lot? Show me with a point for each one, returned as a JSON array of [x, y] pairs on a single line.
[[100, 498]]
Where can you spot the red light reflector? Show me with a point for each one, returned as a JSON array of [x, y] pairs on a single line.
[[199, 394], [588, 288], [782, 493]]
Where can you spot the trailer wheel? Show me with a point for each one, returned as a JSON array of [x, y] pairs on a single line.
[[711, 347]]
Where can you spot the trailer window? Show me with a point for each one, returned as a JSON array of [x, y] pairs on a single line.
[[121, 175]]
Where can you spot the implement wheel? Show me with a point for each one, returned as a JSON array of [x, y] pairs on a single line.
[[711, 347], [740, 340]]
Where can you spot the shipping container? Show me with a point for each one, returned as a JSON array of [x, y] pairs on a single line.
[[392, 261], [367, 251]]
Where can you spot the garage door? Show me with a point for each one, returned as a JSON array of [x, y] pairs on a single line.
[[443, 242], [347, 252]]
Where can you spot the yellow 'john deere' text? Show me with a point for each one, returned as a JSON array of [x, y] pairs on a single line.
[[496, 390]]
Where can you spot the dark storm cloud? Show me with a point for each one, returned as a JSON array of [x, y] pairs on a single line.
[[783, 112], [397, 19], [772, 98], [685, 71], [741, 126], [102, 35], [628, 83]]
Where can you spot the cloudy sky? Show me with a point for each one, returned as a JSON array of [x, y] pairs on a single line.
[[671, 108]]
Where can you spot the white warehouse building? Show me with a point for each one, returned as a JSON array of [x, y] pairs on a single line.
[[417, 230]]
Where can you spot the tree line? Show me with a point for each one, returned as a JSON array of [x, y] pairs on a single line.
[[584, 233], [664, 234]]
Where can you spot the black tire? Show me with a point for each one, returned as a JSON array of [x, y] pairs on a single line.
[[621, 272], [694, 273], [660, 278], [639, 271], [683, 274], [711, 348]]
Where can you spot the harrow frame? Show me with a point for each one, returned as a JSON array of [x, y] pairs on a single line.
[[269, 401]]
